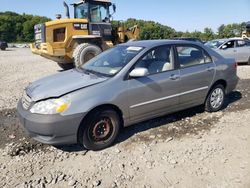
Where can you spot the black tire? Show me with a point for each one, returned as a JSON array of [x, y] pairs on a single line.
[[213, 99], [99, 130], [84, 52], [3, 48], [66, 66]]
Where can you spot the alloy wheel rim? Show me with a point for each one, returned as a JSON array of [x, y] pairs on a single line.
[[217, 98]]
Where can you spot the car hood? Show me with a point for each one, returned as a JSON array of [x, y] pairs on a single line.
[[216, 49], [61, 84]]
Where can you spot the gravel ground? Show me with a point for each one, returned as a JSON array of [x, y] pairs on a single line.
[[186, 149], [18, 68]]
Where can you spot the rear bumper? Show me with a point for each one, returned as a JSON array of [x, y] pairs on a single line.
[[50, 129], [232, 84]]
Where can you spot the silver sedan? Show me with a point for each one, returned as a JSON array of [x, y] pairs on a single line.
[[237, 48], [127, 84]]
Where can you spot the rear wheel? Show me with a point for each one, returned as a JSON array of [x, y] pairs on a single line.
[[215, 99], [100, 129], [3, 48], [84, 52], [66, 66]]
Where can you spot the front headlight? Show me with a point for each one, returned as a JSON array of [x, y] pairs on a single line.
[[51, 106]]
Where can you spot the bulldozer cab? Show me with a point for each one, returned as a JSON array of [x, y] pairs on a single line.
[[94, 11], [98, 15]]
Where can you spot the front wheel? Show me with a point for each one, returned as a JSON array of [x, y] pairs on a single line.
[[215, 99], [100, 129]]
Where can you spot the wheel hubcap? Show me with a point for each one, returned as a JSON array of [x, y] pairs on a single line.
[[102, 130], [217, 98]]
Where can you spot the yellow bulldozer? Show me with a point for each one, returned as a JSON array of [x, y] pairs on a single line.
[[246, 32], [73, 41]]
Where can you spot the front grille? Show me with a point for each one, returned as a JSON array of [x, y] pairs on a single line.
[[39, 34], [26, 101]]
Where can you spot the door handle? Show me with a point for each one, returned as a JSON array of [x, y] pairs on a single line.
[[210, 69], [174, 77]]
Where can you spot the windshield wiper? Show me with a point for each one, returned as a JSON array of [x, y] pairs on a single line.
[[96, 73]]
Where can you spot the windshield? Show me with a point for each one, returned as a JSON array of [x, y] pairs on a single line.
[[81, 11], [214, 43], [109, 63], [98, 13]]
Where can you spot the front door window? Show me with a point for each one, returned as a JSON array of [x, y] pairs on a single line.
[[229, 44], [157, 60]]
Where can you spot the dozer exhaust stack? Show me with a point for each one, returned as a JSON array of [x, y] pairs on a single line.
[[66, 9]]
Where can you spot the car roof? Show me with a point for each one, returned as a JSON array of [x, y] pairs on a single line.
[[154, 43], [236, 38], [219, 40], [187, 38], [227, 39]]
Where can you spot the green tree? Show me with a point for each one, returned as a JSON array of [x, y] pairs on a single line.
[[230, 30], [149, 29], [18, 28], [207, 34]]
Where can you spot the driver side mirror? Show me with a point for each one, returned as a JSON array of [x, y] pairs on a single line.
[[114, 10], [138, 72], [224, 47]]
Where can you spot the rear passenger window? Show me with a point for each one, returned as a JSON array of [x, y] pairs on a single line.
[[241, 43], [189, 56]]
